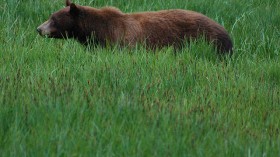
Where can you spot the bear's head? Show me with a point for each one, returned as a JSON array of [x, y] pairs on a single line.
[[62, 23]]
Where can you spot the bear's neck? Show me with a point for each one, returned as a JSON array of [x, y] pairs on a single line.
[[99, 26]]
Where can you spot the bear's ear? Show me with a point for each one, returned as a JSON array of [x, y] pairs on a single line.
[[68, 2], [74, 10]]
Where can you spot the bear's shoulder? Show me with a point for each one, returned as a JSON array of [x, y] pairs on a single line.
[[112, 10]]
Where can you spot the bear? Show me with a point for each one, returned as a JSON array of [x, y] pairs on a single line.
[[154, 29]]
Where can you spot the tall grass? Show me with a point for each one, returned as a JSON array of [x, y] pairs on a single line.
[[59, 98]]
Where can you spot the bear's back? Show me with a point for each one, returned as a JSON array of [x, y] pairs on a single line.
[[169, 27]]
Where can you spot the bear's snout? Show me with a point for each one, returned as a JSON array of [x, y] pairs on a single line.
[[45, 28]]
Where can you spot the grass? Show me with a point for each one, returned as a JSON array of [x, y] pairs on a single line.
[[59, 98]]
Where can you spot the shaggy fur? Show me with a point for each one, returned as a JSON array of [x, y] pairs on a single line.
[[155, 29]]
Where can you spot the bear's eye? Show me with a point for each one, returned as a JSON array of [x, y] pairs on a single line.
[[55, 20]]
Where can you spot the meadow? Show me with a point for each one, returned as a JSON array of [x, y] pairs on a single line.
[[59, 98]]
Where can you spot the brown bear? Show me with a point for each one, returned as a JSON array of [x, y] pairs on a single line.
[[109, 25]]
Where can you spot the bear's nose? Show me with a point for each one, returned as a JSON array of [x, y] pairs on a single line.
[[39, 30]]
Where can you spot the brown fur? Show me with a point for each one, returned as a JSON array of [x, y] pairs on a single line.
[[155, 29]]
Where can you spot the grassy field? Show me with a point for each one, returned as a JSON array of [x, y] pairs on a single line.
[[58, 98]]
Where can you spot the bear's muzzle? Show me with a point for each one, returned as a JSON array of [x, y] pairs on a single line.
[[45, 28]]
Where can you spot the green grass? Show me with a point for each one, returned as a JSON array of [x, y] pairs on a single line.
[[59, 98]]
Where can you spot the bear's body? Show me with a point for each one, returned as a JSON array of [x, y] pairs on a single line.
[[155, 29]]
